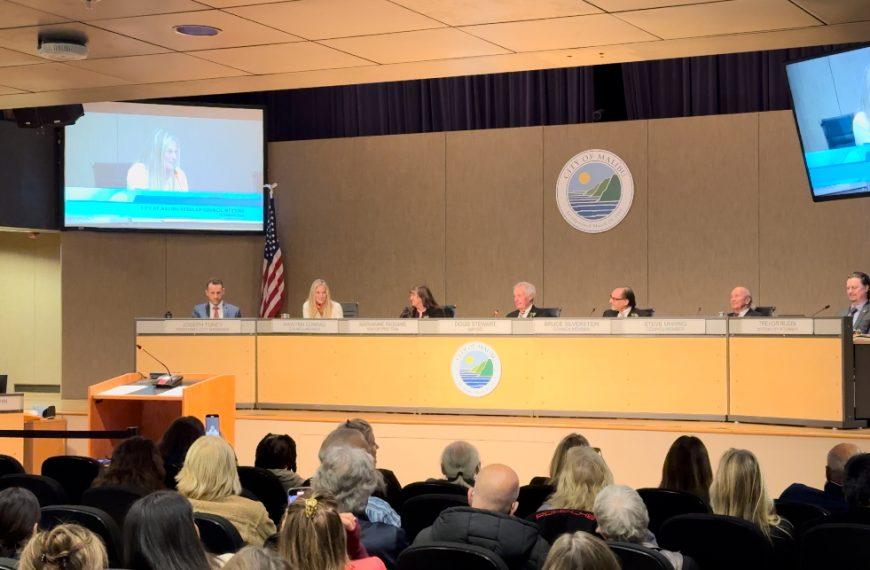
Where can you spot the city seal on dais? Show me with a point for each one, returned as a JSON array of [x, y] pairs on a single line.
[[476, 369], [594, 191]]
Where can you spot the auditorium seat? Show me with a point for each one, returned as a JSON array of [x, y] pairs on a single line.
[[74, 472], [350, 310], [10, 466], [718, 542], [431, 488], [837, 545], [267, 488], [115, 500], [421, 511], [218, 535], [556, 522], [531, 498], [95, 520], [637, 557], [449, 555], [663, 504], [47, 490], [798, 514]]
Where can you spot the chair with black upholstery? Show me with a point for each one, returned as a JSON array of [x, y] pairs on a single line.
[[663, 504], [637, 557], [798, 514], [10, 466], [441, 555], [718, 542], [74, 472], [421, 511], [47, 490], [645, 312], [116, 500], [350, 310], [449, 311], [432, 488], [548, 311], [556, 522], [766, 311], [839, 545], [267, 488], [838, 131], [97, 521], [218, 535], [531, 498]]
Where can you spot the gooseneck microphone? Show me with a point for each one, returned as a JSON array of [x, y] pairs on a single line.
[[825, 308], [592, 312], [167, 380], [699, 310]]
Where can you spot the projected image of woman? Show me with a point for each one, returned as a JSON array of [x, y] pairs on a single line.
[[161, 168], [861, 122]]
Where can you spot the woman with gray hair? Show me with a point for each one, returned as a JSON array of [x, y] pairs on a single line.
[[460, 463], [622, 517]]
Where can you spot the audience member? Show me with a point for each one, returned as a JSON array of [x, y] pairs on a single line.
[[173, 446], [313, 536], [348, 474], [19, 517], [580, 551], [856, 491], [136, 462], [622, 517], [257, 558], [277, 453], [392, 489], [569, 441], [210, 479], [489, 522], [65, 547], [460, 463], [831, 497], [159, 534], [687, 468]]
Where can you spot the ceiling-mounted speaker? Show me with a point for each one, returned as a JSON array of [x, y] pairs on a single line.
[[41, 117]]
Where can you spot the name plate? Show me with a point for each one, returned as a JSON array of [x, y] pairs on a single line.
[[197, 326], [658, 326], [384, 326], [771, 326], [299, 326], [466, 326], [572, 326], [11, 402]]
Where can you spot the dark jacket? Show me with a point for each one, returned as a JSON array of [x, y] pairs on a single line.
[[613, 314], [831, 499], [533, 312], [431, 313], [514, 540], [750, 313], [382, 540]]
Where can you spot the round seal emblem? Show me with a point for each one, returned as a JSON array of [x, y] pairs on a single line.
[[594, 191], [476, 369]]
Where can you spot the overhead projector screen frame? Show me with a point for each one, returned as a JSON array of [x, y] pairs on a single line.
[[61, 169]]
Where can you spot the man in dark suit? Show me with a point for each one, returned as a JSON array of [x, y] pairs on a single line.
[[741, 304], [831, 497], [622, 303], [524, 301], [216, 307], [858, 292]]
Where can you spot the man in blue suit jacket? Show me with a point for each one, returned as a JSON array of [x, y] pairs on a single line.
[[216, 308], [831, 497]]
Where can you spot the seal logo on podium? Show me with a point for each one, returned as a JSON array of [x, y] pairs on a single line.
[[476, 369], [594, 191]]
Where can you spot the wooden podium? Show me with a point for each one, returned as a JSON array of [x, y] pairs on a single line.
[[12, 417], [130, 400]]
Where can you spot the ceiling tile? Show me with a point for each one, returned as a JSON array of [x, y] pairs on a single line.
[[78, 10], [158, 68], [282, 58], [235, 31], [470, 12], [54, 77], [15, 16], [421, 45], [623, 5], [9, 57], [732, 17], [561, 33], [100, 42], [836, 12], [321, 19]]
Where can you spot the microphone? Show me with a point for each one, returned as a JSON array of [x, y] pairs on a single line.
[[592, 312], [168, 380], [699, 310], [496, 313], [167, 315], [825, 308]]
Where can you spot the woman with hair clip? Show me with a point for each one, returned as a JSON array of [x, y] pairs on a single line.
[[320, 304], [422, 305], [65, 547]]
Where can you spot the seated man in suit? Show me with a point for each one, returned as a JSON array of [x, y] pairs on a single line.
[[858, 292], [831, 498], [524, 301], [489, 521], [622, 304], [216, 307], [741, 304]]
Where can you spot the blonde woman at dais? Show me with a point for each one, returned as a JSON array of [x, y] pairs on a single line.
[[320, 304]]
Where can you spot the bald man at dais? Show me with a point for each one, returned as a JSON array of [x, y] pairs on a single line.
[[741, 304]]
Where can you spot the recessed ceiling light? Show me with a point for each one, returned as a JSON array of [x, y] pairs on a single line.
[[196, 30]]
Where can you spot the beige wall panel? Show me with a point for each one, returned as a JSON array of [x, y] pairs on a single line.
[[366, 214], [581, 269], [703, 212], [807, 249], [494, 218], [191, 260], [108, 280]]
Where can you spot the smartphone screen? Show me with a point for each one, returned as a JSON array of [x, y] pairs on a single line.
[[295, 493], [212, 424]]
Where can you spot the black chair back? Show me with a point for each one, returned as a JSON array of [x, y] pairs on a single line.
[[718, 542], [421, 511], [441, 555], [531, 498], [350, 310], [218, 535], [47, 490], [10, 466], [432, 488], [115, 500], [798, 514], [838, 131], [449, 311], [663, 504], [637, 557], [548, 311], [837, 545], [97, 521], [267, 488], [554, 523], [645, 312], [74, 472], [766, 311]]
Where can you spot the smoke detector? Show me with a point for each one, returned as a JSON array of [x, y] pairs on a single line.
[[62, 48]]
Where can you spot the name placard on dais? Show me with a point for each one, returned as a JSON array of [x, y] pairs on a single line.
[[201, 326], [466, 326], [771, 326], [382, 326], [298, 326], [572, 326], [658, 326]]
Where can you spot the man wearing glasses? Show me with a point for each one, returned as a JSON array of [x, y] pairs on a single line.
[[622, 304]]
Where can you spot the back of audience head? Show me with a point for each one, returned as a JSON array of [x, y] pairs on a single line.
[[460, 463], [495, 489], [569, 441], [312, 535], [65, 547], [738, 490], [19, 516], [343, 437], [838, 456], [178, 438], [580, 551], [159, 534], [136, 462], [687, 468], [582, 477], [365, 428], [276, 451], [257, 558], [347, 474], [856, 481], [210, 470], [621, 514]]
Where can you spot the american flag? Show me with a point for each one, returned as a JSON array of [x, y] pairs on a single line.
[[273, 266]]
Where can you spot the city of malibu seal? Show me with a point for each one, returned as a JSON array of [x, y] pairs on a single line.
[[594, 191], [476, 369]]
